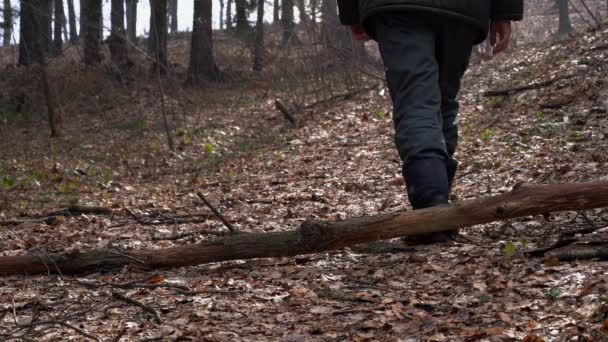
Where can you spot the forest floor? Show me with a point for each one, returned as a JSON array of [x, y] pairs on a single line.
[[266, 175]]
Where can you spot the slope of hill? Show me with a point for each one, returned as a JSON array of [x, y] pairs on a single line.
[[266, 175]]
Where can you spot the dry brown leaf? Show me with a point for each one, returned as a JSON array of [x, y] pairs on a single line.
[[155, 279]]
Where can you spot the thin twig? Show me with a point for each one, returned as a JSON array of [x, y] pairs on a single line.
[[120, 335], [217, 213], [78, 330], [189, 234], [135, 302]]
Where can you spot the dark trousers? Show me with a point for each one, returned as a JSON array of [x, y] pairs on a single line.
[[425, 58]]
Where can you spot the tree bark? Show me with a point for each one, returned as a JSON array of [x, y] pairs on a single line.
[[173, 16], [302, 11], [258, 48], [276, 12], [202, 62], [83, 21], [132, 20], [7, 27], [287, 23], [44, 16], [72, 21], [221, 14], [92, 44], [242, 24], [229, 15], [565, 25], [59, 25], [118, 39], [158, 36], [316, 237]]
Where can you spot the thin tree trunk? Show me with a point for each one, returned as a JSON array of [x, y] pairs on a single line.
[[316, 237], [45, 20], [83, 20], [132, 20], [565, 25], [7, 17], [221, 14], [202, 63], [118, 39], [92, 44], [302, 11], [158, 35], [40, 47], [258, 50], [276, 12], [287, 21], [229, 15], [59, 25], [313, 10], [242, 24], [72, 20], [173, 15], [27, 36]]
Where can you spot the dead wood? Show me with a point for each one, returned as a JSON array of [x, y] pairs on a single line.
[[517, 89], [314, 237], [286, 112], [72, 210], [217, 213], [582, 251], [145, 307]]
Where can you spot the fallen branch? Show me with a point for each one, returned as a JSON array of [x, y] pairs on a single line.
[[517, 89], [80, 331], [217, 213], [314, 237], [283, 109], [73, 210], [145, 307]]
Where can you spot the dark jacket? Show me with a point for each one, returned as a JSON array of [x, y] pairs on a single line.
[[477, 12]]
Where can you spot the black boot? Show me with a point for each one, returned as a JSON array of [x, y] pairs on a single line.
[[427, 182], [428, 185], [451, 165]]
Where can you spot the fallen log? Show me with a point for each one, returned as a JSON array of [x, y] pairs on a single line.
[[517, 89], [315, 237]]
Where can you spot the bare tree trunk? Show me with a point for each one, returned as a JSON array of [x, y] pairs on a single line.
[[313, 10], [7, 27], [40, 14], [83, 20], [45, 20], [27, 35], [242, 24], [132, 20], [59, 25], [229, 15], [258, 49], [565, 25], [317, 237], [202, 63], [287, 21], [335, 36], [173, 15], [221, 14], [118, 39], [92, 39], [158, 35], [72, 20], [276, 12], [302, 11]]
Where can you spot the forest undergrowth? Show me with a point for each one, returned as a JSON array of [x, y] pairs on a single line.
[[266, 174]]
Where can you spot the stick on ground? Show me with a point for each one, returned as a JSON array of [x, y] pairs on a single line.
[[315, 237]]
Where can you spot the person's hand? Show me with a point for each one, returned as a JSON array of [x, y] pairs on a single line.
[[359, 33], [500, 35]]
